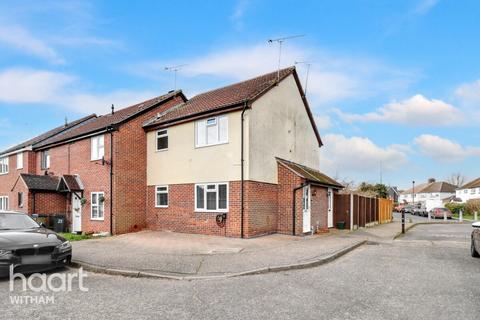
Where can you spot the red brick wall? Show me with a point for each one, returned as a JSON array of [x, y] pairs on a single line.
[[180, 216], [7, 181], [319, 209], [130, 172], [49, 203], [287, 181], [74, 158], [261, 208]]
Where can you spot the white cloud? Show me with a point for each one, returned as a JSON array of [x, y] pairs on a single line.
[[31, 86], [101, 103], [45, 87], [414, 111], [469, 93], [347, 155], [333, 77], [444, 150], [323, 122], [22, 40]]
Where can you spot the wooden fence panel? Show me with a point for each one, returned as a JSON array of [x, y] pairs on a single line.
[[341, 209]]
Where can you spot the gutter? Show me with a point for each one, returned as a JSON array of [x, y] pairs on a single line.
[[111, 129], [245, 106]]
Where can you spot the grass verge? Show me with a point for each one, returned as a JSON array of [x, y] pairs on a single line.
[[75, 237]]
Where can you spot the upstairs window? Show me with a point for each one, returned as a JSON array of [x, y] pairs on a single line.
[[162, 140], [4, 165], [211, 131], [97, 148], [45, 159], [20, 160], [472, 191], [211, 197]]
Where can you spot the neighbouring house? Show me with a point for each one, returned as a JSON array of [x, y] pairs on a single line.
[[469, 191], [239, 161], [93, 170], [393, 194], [431, 194]]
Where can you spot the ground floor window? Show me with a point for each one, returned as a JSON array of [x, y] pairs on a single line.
[[97, 207], [20, 199], [211, 197], [4, 203], [161, 196]]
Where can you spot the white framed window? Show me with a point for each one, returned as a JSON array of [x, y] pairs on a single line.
[[211, 131], [97, 148], [161, 196], [162, 140], [97, 206], [4, 203], [4, 165], [20, 199], [20, 160], [472, 191], [465, 191], [478, 190], [211, 197], [45, 159]]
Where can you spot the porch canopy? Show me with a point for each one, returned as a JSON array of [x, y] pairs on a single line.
[[311, 175], [49, 183]]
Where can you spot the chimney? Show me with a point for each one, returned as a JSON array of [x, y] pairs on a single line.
[[113, 109], [431, 180], [66, 122]]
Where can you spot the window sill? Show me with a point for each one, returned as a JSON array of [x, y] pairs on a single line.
[[2, 174], [161, 150], [210, 211], [161, 207], [97, 219], [210, 145]]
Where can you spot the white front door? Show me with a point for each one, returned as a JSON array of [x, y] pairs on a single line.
[[306, 209], [76, 213], [330, 208]]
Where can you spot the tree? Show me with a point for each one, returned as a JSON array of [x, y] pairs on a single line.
[[457, 179], [376, 190]]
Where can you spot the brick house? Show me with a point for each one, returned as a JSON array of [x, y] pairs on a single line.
[[239, 161], [91, 170]]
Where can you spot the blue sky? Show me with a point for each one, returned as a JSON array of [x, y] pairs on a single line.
[[393, 84]]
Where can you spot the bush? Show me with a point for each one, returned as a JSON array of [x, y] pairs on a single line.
[[456, 207], [472, 206]]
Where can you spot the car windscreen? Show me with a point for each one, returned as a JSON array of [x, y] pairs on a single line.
[[13, 221]]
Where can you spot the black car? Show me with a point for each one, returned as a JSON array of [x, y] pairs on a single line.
[[28, 246], [476, 240]]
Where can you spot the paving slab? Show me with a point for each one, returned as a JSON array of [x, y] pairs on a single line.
[[188, 256]]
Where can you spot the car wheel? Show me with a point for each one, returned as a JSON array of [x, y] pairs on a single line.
[[474, 251]]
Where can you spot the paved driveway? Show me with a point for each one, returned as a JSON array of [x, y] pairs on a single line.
[[403, 279]]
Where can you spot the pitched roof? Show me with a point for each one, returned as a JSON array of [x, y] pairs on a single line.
[[431, 187], [472, 184], [229, 98], [47, 134], [102, 122], [310, 174], [72, 182], [40, 182]]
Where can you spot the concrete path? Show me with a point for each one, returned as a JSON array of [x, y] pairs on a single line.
[[187, 256]]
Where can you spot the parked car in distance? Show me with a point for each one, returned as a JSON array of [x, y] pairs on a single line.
[[28, 246], [407, 209], [475, 248], [420, 211], [440, 213]]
